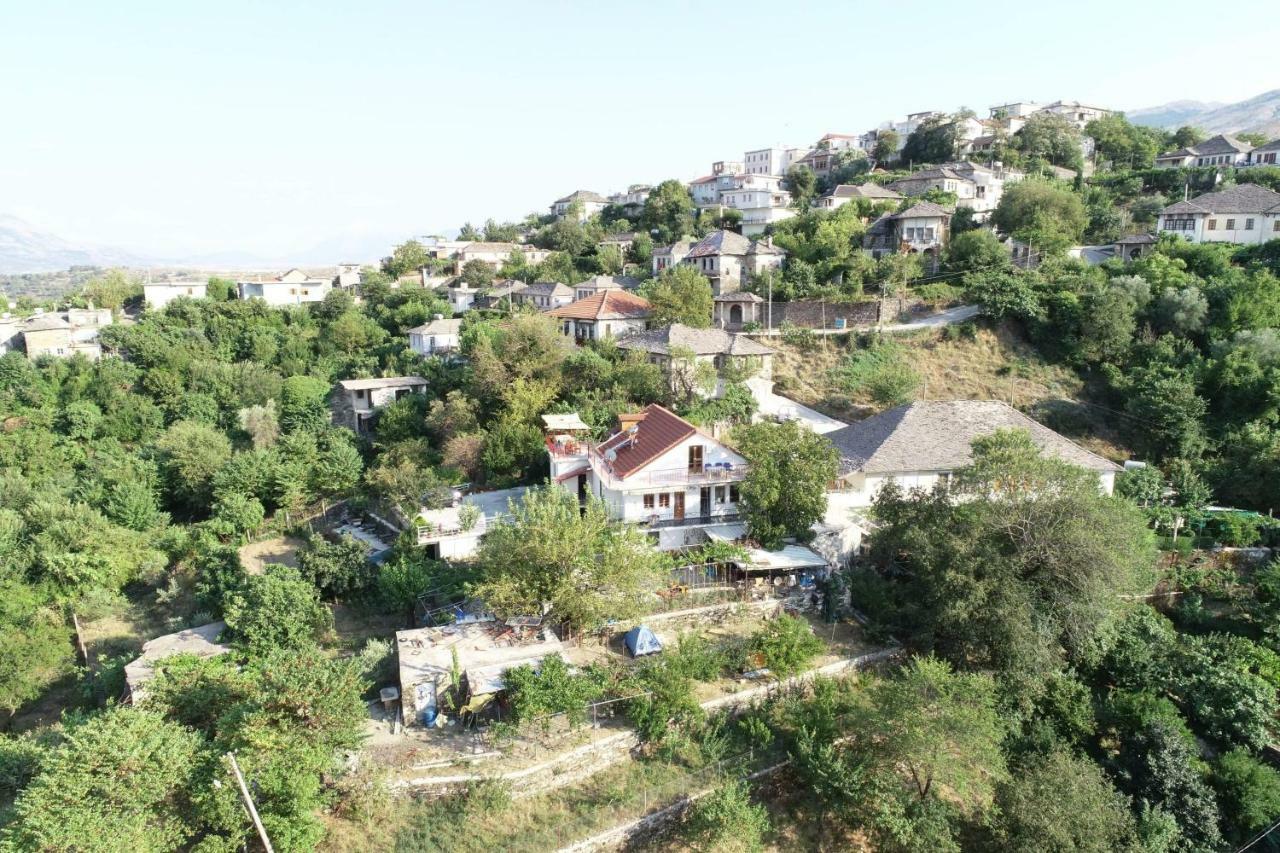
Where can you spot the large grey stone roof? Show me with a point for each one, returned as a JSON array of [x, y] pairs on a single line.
[[1242, 198], [938, 436], [700, 341]]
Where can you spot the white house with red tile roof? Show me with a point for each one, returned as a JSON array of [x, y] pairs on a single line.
[[605, 314], [656, 469]]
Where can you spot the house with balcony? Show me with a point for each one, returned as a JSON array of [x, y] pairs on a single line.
[[603, 315], [1243, 214], [656, 469], [1265, 155], [361, 398]]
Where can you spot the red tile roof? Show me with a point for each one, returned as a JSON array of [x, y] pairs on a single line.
[[657, 431], [605, 305]]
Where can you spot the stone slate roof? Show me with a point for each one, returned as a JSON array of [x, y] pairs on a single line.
[[738, 296], [437, 327], [938, 436], [923, 209], [867, 190], [582, 195], [941, 173], [1181, 153], [1273, 145], [720, 243], [1243, 198], [46, 323], [546, 288], [700, 341], [1223, 143]]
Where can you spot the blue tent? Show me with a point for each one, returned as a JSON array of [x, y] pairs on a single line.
[[641, 641]]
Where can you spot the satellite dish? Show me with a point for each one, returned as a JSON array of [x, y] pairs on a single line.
[[635, 428], [611, 455]]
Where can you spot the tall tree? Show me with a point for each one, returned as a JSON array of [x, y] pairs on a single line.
[[680, 294], [785, 489], [669, 210]]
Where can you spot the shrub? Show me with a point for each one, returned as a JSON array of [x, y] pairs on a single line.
[[727, 820], [881, 371], [787, 644], [552, 689], [1248, 791]]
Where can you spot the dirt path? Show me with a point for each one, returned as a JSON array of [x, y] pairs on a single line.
[[284, 550]]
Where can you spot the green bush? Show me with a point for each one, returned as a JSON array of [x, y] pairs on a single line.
[[727, 820], [881, 371], [939, 291], [787, 644]]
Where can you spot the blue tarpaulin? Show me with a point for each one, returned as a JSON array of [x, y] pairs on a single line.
[[641, 641]]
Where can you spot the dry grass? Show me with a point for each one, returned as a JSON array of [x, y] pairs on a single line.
[[995, 364], [283, 550]]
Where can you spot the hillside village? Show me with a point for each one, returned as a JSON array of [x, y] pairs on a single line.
[[910, 489]]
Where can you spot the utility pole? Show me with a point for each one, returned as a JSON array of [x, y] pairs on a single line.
[[248, 803], [769, 330]]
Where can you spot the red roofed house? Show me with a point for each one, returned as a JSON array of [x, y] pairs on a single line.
[[605, 314], [656, 469]]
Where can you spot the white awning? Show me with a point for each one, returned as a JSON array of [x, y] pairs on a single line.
[[568, 423]]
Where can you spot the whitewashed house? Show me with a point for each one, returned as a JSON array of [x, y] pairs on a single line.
[[63, 334], [842, 194], [919, 445], [1221, 150], [611, 313], [1265, 155], [160, 294], [437, 337], [543, 295], [920, 229], [497, 254], [291, 288], [1244, 214], [657, 469], [600, 283], [668, 256], [365, 396], [774, 160]]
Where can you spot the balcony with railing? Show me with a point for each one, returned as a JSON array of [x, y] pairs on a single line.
[[710, 473]]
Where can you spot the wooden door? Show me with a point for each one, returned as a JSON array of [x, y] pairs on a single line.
[[678, 510]]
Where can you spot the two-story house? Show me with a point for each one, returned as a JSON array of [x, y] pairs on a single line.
[[668, 256], [1221, 150], [656, 469], [842, 194], [607, 314], [66, 333], [1246, 213], [920, 229], [437, 337], [1265, 155], [363, 397], [497, 254], [294, 287], [587, 203], [543, 295], [156, 296], [729, 260], [679, 349], [600, 283]]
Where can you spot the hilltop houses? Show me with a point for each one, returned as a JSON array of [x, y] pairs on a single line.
[[728, 260], [294, 287], [920, 229], [1246, 213], [842, 194], [1221, 150], [63, 334], [587, 203]]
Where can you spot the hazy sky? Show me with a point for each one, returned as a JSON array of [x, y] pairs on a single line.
[[171, 127]]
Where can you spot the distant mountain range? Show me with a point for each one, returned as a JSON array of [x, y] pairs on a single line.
[[24, 248], [1256, 115], [27, 249]]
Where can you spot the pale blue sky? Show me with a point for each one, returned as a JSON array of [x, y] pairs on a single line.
[[176, 127]]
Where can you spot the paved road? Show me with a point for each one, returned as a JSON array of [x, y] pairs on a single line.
[[933, 321], [784, 408]]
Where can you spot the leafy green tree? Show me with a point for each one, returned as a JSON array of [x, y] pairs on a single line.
[[335, 568], [303, 404], [408, 257], [1158, 767], [190, 454], [669, 210], [801, 182], [35, 645], [726, 820], [122, 781], [1248, 792], [1060, 804], [787, 644], [566, 562], [1049, 137], [680, 294], [784, 492], [934, 141], [277, 609], [1187, 136], [886, 147], [1126, 145], [236, 515], [477, 273], [979, 249], [1046, 217]]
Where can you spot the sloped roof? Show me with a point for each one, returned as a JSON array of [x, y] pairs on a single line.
[[614, 282], [546, 288], [867, 190], [1223, 143], [438, 327], [700, 341], [720, 243], [382, 382], [1243, 198], [677, 246], [1181, 153], [738, 296], [582, 195], [655, 432], [940, 173], [604, 305], [492, 248], [1273, 145], [46, 323], [938, 436], [923, 209]]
